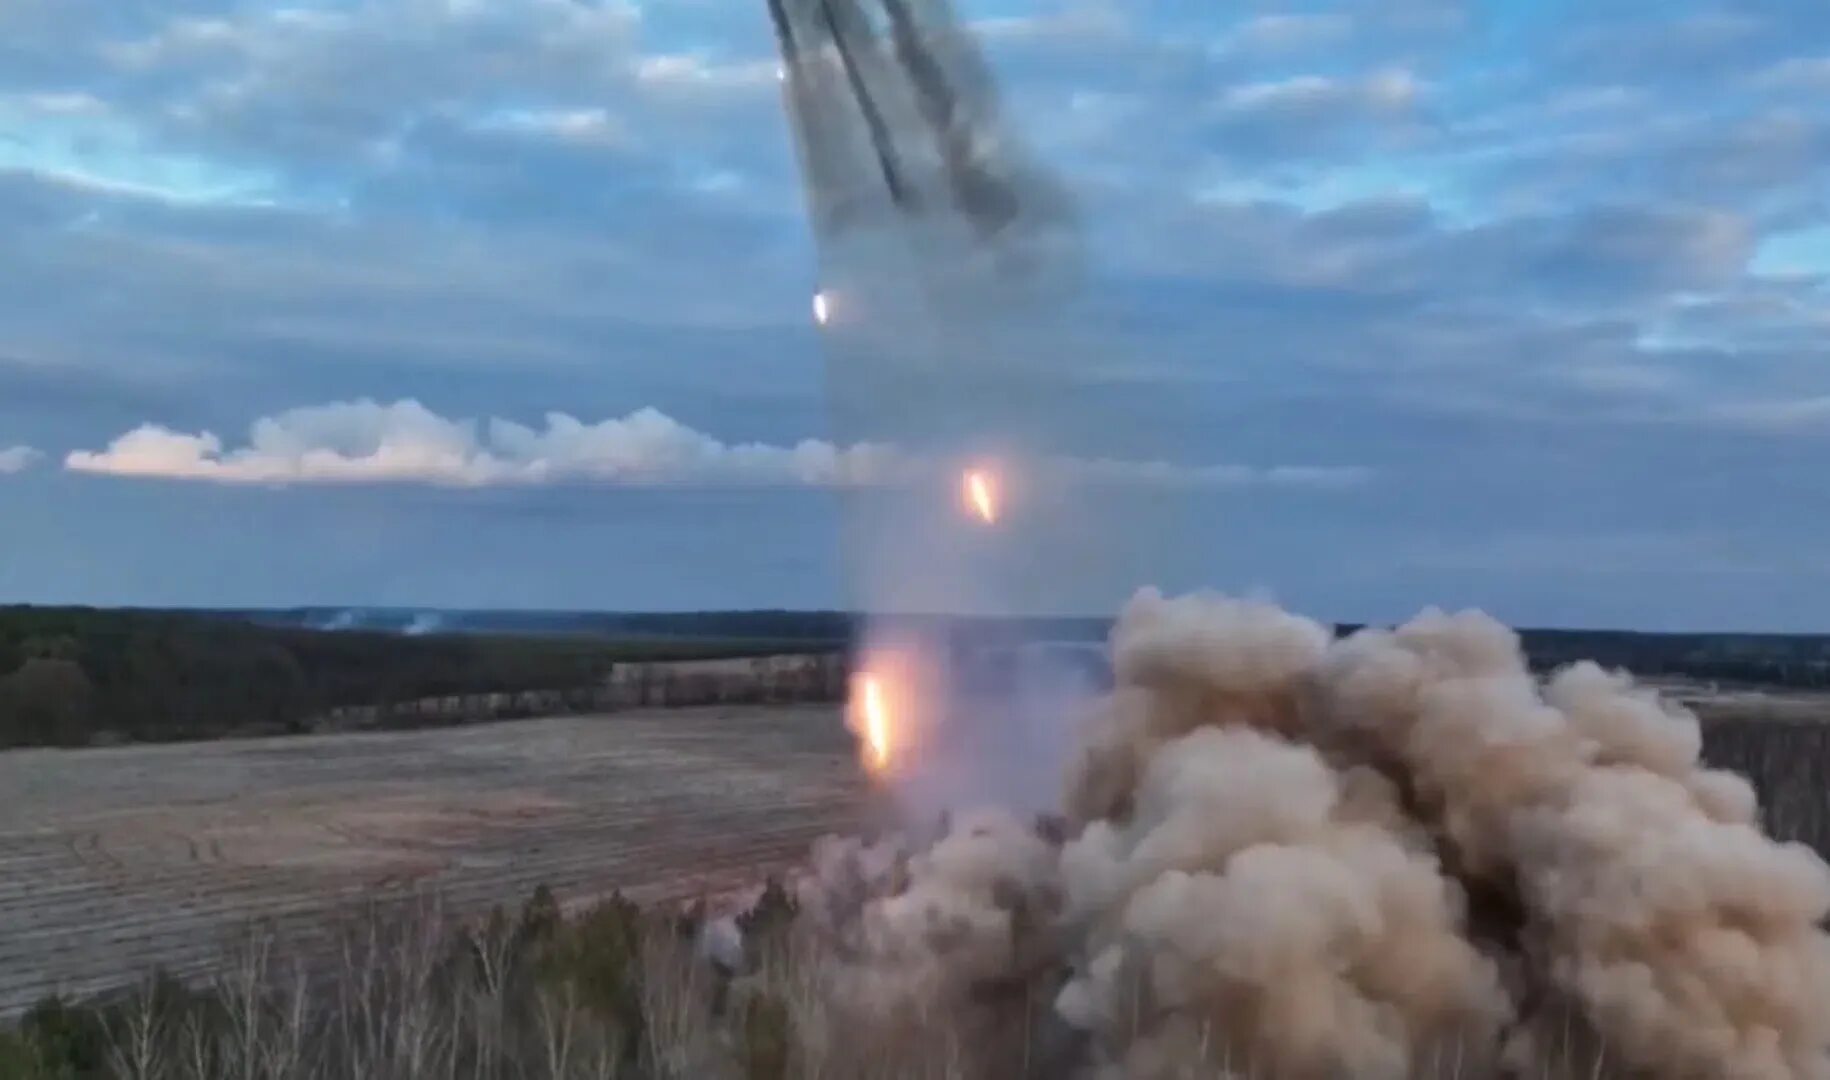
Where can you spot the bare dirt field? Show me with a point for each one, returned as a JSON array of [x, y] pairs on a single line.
[[114, 861]]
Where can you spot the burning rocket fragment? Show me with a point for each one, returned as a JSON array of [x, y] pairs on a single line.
[[895, 119], [981, 494]]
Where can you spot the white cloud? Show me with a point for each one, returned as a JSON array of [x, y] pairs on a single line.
[[1164, 474], [1798, 73], [16, 459], [1788, 415], [363, 442], [684, 74], [1289, 31], [366, 442], [1081, 26], [586, 126], [1620, 378], [318, 87], [62, 103], [1388, 90]]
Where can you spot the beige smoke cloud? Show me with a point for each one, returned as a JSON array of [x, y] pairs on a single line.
[[1396, 854], [1689, 941], [1241, 898]]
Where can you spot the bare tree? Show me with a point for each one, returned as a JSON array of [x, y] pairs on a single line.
[[137, 1049]]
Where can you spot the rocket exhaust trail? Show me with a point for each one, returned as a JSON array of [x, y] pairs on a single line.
[[811, 114], [851, 35], [891, 109], [992, 205], [930, 225]]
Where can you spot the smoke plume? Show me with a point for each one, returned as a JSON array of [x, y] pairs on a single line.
[[1394, 854]]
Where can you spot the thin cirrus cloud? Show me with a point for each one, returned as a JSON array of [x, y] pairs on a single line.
[[17, 459], [366, 442]]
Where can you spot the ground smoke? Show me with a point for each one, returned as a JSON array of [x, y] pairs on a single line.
[[1393, 854]]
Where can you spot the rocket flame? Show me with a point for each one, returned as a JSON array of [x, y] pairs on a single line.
[[875, 715], [822, 308], [982, 496]]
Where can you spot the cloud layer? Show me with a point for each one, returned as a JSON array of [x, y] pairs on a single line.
[[365, 442]]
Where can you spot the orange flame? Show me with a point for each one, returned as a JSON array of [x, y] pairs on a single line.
[[875, 715], [982, 496]]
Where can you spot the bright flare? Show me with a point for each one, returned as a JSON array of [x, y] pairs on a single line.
[[822, 308], [982, 495], [875, 714]]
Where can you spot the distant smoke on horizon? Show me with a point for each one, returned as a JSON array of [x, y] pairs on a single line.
[[406, 622]]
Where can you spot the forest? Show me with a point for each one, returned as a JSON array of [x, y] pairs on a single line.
[[80, 676]]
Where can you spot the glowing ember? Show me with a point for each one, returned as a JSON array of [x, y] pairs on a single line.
[[875, 715], [982, 495], [822, 308]]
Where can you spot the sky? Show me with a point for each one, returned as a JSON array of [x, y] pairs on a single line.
[[504, 303]]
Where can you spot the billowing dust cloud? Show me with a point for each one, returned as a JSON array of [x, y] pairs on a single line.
[[1393, 854]]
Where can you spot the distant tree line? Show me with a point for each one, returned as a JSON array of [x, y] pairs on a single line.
[[76, 676], [1785, 660]]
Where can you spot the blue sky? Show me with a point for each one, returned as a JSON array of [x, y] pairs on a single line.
[[291, 291]]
